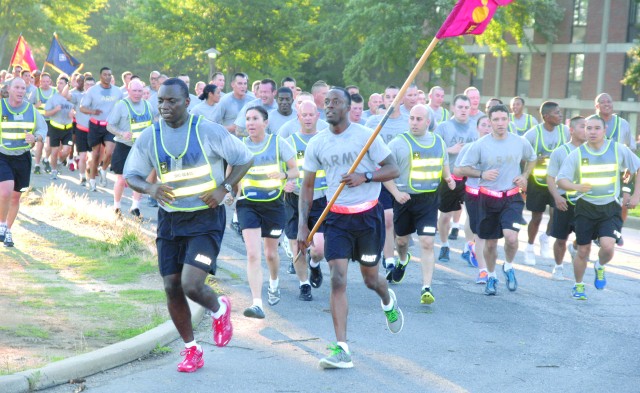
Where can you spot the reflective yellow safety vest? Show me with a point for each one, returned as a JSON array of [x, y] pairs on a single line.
[[15, 125], [138, 121], [43, 99], [572, 196], [445, 116], [189, 173], [540, 170], [615, 133], [426, 163], [300, 147], [528, 123], [256, 185], [600, 170]]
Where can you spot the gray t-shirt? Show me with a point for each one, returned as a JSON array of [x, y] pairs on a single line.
[[556, 160], [550, 139], [471, 181], [402, 153], [277, 120], [453, 132], [502, 154], [193, 102], [103, 99], [29, 96], [217, 143], [119, 117], [241, 120], [62, 116], [292, 126], [571, 165], [205, 110], [226, 112], [40, 130], [391, 128], [81, 118], [336, 153], [522, 123], [624, 131]]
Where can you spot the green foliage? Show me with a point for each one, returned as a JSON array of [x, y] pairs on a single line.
[[632, 76]]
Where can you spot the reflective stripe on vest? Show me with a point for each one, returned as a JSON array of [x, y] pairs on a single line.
[[540, 170], [300, 147], [615, 134], [426, 163], [12, 130], [445, 116], [527, 124], [600, 170], [43, 99], [193, 176], [138, 121], [256, 184]]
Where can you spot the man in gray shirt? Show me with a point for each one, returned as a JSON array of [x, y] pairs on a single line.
[[58, 109], [495, 159], [230, 105], [355, 225], [292, 126], [267, 93], [593, 172], [188, 154], [285, 112]]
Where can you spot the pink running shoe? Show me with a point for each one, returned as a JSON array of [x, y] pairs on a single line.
[[222, 328], [193, 360]]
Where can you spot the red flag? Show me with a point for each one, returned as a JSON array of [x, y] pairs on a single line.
[[22, 56], [469, 17]]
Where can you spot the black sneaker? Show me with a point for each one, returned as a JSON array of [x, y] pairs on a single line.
[[236, 227], [136, 213], [315, 276], [36, 170], [291, 269], [83, 182], [305, 293], [398, 272], [389, 272], [8, 239], [444, 254], [47, 167], [118, 212], [454, 234]]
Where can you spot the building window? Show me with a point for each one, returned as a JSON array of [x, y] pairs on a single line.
[[579, 20], [524, 75], [627, 92], [634, 19], [478, 76], [576, 71]]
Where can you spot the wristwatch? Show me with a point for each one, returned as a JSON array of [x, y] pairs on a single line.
[[229, 188], [368, 176]]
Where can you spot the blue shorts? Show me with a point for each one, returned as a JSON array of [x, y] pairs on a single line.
[[419, 214], [291, 212], [497, 214], [385, 198], [596, 221], [563, 222], [268, 216], [471, 203], [359, 237], [17, 169], [191, 238]]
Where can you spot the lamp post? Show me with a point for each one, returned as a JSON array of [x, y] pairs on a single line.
[[212, 54]]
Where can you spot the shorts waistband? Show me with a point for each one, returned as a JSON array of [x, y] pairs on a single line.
[[101, 123], [472, 190], [499, 194], [61, 126], [456, 178], [359, 208]]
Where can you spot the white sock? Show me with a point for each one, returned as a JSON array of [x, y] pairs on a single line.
[[508, 266], [466, 247], [491, 274], [135, 204], [445, 244], [257, 302], [530, 247], [426, 287], [92, 182], [579, 283], [3, 224], [390, 261], [387, 307], [455, 225], [314, 264], [305, 282], [597, 264], [344, 346], [193, 344], [273, 284], [559, 266], [116, 204], [221, 311]]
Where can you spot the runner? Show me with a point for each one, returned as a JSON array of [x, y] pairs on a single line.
[[188, 153], [495, 159], [523, 122], [43, 93], [593, 171], [354, 228], [59, 110], [210, 97], [423, 162]]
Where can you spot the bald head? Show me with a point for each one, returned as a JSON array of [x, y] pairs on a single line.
[[17, 90], [135, 90], [308, 116], [419, 120]]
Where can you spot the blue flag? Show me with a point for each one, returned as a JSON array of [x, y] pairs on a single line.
[[60, 59]]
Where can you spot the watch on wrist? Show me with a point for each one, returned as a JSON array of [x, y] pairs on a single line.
[[228, 187], [368, 176]]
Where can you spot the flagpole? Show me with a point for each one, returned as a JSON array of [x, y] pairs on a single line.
[[396, 101]]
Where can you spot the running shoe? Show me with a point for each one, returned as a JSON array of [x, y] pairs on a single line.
[[578, 292], [395, 319], [510, 275], [254, 312], [291, 269], [118, 212], [556, 274], [83, 182], [103, 177], [444, 254], [466, 255], [545, 250], [389, 269], [572, 250], [529, 258], [3, 231], [222, 327], [398, 273], [472, 257], [315, 276], [92, 188], [274, 296], [54, 175], [426, 297], [193, 360], [72, 166], [136, 213], [36, 170], [47, 167], [337, 358], [600, 281], [305, 293], [491, 288], [236, 227], [454, 234], [482, 277]]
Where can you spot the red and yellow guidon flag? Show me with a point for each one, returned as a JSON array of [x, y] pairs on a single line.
[[469, 17], [22, 56]]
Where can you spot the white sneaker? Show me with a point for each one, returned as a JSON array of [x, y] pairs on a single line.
[[572, 251], [556, 274], [529, 258], [545, 250]]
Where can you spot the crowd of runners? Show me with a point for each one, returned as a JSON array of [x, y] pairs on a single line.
[[277, 153]]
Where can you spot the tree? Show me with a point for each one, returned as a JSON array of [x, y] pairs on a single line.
[[37, 21]]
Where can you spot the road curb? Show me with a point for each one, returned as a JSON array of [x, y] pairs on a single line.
[[87, 364]]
